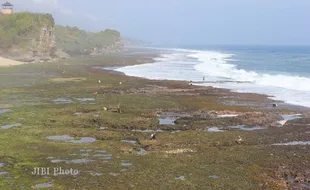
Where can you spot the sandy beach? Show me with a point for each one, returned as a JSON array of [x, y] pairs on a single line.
[[8, 62]]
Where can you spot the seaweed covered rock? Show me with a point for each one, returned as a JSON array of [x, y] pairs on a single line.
[[267, 119]]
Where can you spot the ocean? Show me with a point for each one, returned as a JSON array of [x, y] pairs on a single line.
[[279, 71]]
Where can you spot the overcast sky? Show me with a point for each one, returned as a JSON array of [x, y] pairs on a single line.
[[270, 22]]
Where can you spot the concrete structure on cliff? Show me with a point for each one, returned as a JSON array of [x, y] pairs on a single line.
[[7, 9]]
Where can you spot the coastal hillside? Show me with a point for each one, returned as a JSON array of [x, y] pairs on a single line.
[[27, 36], [76, 41], [32, 37]]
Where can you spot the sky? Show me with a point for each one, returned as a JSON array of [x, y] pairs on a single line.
[[188, 22]]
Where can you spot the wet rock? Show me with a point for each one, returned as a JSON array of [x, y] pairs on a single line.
[[61, 54], [259, 119]]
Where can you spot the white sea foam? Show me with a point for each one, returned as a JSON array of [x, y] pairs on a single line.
[[216, 64], [217, 67]]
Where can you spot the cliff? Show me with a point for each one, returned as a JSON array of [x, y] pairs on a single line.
[[27, 36], [34, 37], [76, 41]]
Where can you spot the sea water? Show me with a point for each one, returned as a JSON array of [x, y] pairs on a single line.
[[281, 72]]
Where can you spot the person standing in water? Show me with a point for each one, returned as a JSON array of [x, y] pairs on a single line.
[[203, 78]]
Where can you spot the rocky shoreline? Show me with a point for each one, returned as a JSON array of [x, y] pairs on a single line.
[[74, 114]]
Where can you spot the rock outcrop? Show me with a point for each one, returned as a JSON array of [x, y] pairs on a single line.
[[31, 37]]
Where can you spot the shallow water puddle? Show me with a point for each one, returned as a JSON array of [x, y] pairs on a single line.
[[60, 138], [101, 151], [287, 117], [4, 111], [86, 150], [62, 100], [78, 113], [85, 99], [126, 163], [245, 128], [227, 115], [74, 161], [290, 179], [141, 151], [79, 161], [70, 139], [213, 176], [83, 140], [182, 178], [10, 126], [129, 141], [103, 155], [176, 131], [58, 161], [114, 174], [3, 173], [167, 120], [146, 131], [215, 130], [293, 143], [83, 156], [44, 185], [96, 174]]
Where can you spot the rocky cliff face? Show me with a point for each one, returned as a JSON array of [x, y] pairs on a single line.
[[30, 37]]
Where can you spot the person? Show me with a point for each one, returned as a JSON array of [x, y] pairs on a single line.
[[203, 79], [153, 136], [274, 105]]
